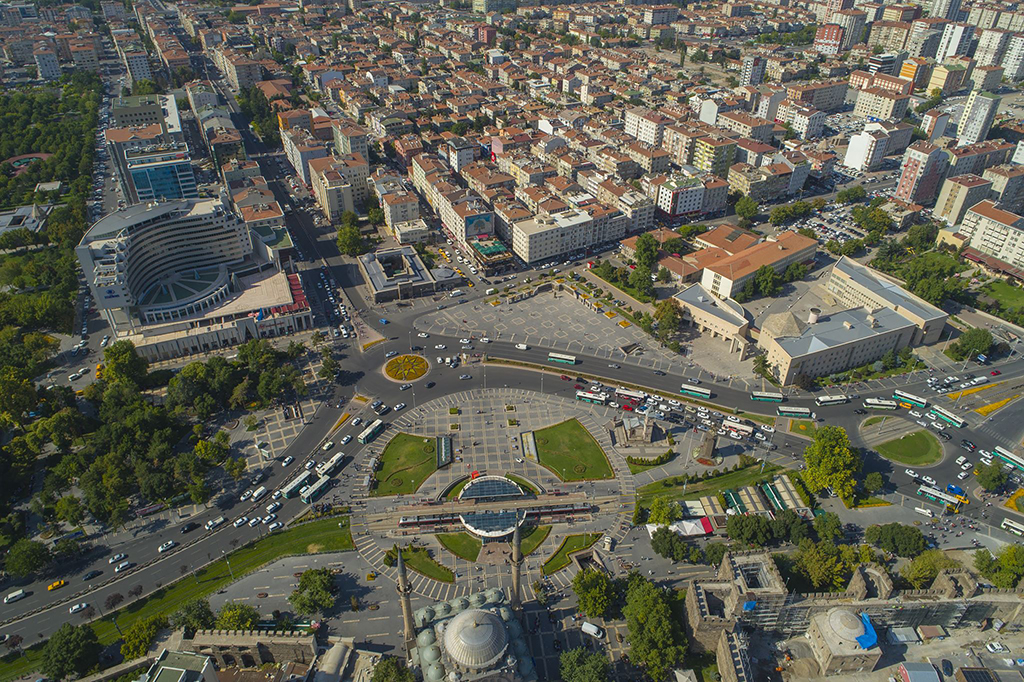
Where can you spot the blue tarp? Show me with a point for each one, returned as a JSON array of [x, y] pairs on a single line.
[[870, 638], [749, 605]]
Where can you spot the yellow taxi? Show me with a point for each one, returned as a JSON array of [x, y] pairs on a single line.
[[56, 585]]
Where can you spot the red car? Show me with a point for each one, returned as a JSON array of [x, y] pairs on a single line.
[[995, 372], [627, 408], [578, 387], [565, 378]]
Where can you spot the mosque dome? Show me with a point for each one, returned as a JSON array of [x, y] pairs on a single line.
[[476, 639]]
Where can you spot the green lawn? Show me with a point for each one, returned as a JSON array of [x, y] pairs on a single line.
[[916, 449], [758, 418], [640, 468], [672, 487], [871, 421], [570, 545], [532, 540], [418, 559], [523, 483], [802, 426], [571, 453], [312, 537], [406, 462], [1009, 296], [461, 545]]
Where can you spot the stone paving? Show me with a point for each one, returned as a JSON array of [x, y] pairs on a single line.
[[486, 443]]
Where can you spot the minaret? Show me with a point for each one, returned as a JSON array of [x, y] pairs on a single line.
[[404, 589], [517, 562]]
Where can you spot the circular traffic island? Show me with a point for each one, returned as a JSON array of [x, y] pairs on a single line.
[[919, 448], [406, 367]]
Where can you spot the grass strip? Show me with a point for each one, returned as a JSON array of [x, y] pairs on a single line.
[[461, 545], [536, 535], [570, 545], [523, 483], [672, 487]]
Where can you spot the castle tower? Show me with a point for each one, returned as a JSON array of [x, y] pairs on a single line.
[[404, 590], [517, 562]]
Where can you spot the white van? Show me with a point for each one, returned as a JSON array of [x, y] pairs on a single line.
[[455, 293], [490, 291], [15, 596], [258, 493], [213, 523], [522, 346], [592, 630]]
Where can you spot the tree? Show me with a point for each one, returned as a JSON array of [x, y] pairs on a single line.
[[668, 544], [350, 242], [761, 365], [17, 396], [656, 640], [874, 482], [828, 526], [392, 669], [70, 651], [235, 616], [972, 343], [640, 280], [123, 362], [896, 538], [767, 280], [583, 665], [746, 208], [69, 510], [375, 216], [140, 636], [826, 565], [646, 251], [831, 462], [27, 556], [113, 601], [594, 592], [663, 512], [922, 570], [749, 530], [315, 593], [851, 194], [991, 477], [664, 276], [193, 615], [1006, 569]]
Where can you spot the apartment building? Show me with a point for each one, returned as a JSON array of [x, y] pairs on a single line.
[[826, 96], [338, 183], [882, 104], [979, 113], [924, 167], [350, 138], [136, 64], [714, 154], [948, 78], [956, 40], [959, 194], [867, 150], [753, 66], [727, 277], [853, 23], [760, 183], [47, 63], [991, 48], [1007, 186], [547, 237], [399, 207], [995, 232], [918, 70], [300, 147], [646, 125], [746, 125], [1013, 58]]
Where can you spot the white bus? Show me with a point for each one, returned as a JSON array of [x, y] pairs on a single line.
[[742, 429], [948, 417], [634, 396], [1008, 457], [761, 396], [370, 432], [1013, 527], [330, 466], [830, 400], [561, 358], [595, 398], [314, 491], [905, 397], [879, 404]]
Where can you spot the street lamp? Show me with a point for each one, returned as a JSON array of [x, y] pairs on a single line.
[[227, 560]]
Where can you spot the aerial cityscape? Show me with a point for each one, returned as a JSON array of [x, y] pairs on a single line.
[[392, 340]]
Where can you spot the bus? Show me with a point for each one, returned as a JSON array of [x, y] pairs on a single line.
[[564, 359], [595, 398], [314, 491], [830, 400], [936, 495], [742, 429], [1012, 526], [766, 397], [909, 398], [330, 466], [1016, 461], [879, 404], [292, 488], [947, 416], [695, 392], [800, 412], [632, 396], [371, 432]]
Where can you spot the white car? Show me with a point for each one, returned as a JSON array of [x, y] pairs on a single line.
[[327, 446], [463, 340], [345, 440], [423, 335], [730, 418], [399, 407], [768, 429], [274, 526], [287, 460], [240, 521], [277, 495], [910, 472], [123, 566], [269, 518], [116, 558], [464, 377], [962, 475], [169, 545], [735, 436], [929, 480], [254, 521], [357, 421], [996, 648], [966, 466], [760, 436], [915, 413], [440, 346], [309, 464], [78, 607], [273, 507], [246, 495]]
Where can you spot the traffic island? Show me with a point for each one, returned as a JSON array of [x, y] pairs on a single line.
[[572, 544], [919, 448], [406, 367]]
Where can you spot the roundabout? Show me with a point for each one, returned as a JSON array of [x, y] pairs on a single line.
[[406, 367]]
